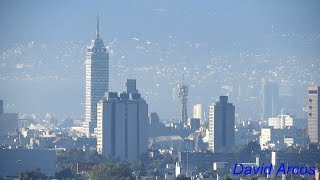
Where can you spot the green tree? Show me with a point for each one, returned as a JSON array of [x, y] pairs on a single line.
[[250, 150], [67, 159], [64, 174], [253, 147], [117, 171], [138, 168], [32, 174]]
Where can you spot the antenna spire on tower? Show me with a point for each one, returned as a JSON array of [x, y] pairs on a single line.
[[98, 27]]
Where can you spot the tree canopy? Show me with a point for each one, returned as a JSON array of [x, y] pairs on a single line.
[[117, 171]]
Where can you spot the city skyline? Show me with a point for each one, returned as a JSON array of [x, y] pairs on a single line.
[[161, 59], [159, 90]]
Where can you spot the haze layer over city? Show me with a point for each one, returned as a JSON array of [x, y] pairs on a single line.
[[219, 47], [159, 89]]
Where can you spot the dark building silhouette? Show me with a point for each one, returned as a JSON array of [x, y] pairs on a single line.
[[154, 120], [221, 125], [8, 121], [194, 123], [131, 86]]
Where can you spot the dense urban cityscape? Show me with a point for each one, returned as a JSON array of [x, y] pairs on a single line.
[[143, 106]]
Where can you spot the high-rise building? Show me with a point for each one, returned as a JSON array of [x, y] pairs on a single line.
[[97, 79], [197, 111], [313, 114], [122, 126], [270, 100], [221, 125]]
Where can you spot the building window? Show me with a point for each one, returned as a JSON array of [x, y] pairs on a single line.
[[310, 107], [313, 92], [310, 100], [310, 114]]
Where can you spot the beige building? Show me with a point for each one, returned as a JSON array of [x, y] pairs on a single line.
[[280, 122], [313, 114], [197, 111], [265, 138]]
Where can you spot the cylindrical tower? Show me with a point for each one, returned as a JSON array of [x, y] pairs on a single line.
[[183, 90]]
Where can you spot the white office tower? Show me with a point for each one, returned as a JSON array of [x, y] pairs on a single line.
[[122, 126], [221, 125], [97, 80], [281, 122]]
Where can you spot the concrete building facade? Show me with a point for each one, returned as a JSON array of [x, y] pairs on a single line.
[[122, 126], [280, 122], [221, 125], [197, 111], [313, 115]]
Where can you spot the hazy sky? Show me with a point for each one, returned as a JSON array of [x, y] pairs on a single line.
[[228, 28], [74, 20]]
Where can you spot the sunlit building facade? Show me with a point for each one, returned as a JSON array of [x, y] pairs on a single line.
[[197, 111], [122, 126], [97, 80]]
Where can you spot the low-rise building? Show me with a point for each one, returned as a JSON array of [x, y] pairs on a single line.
[[15, 161]]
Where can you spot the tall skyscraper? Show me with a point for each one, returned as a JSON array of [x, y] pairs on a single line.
[[270, 100], [197, 111], [97, 79], [313, 114], [221, 125], [122, 127]]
